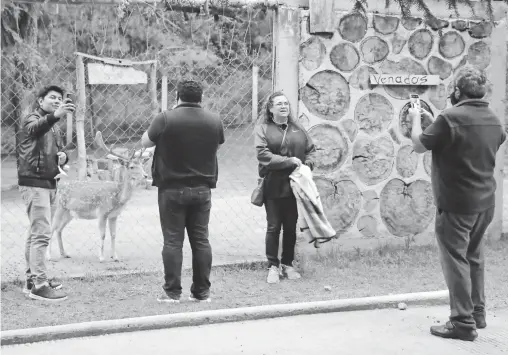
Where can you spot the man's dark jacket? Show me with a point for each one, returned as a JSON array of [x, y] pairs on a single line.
[[38, 142]]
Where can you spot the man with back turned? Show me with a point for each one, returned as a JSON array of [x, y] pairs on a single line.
[[184, 169], [464, 140]]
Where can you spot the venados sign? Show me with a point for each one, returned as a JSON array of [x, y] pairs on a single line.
[[403, 79]]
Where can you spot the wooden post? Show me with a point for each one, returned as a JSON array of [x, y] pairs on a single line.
[[497, 76], [322, 16], [286, 54], [68, 134], [255, 99], [80, 117], [153, 89], [164, 93], [92, 112]]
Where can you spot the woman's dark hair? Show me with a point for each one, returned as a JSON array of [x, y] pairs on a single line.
[[268, 116], [189, 91]]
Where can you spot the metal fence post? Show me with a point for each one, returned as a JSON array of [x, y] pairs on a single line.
[[153, 88], [255, 99], [164, 93]]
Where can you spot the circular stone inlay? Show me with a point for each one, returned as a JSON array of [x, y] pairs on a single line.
[[420, 43], [406, 208], [451, 45], [341, 202], [353, 27], [345, 57], [374, 113], [479, 55], [373, 159], [326, 95], [312, 53], [331, 147], [374, 49]]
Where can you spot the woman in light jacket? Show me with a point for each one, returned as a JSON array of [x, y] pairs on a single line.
[[282, 145]]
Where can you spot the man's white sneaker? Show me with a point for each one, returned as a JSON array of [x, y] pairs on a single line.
[[164, 298], [205, 300]]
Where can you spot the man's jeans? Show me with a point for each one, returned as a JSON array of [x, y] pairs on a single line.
[[40, 207], [180, 209], [281, 213], [461, 244]]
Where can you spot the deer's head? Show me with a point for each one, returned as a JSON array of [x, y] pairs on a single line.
[[130, 166]]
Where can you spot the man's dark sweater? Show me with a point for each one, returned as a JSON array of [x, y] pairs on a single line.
[[464, 141], [187, 139]]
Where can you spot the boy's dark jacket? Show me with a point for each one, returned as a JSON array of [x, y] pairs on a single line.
[[38, 142]]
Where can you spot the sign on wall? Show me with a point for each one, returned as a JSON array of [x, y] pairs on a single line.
[[404, 79], [99, 73]]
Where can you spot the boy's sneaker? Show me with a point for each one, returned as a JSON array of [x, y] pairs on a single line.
[[47, 293], [273, 275], [290, 272], [164, 298], [204, 300], [29, 284]]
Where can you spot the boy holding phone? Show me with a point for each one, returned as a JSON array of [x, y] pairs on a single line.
[[40, 156]]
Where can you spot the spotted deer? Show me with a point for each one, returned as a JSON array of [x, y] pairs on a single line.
[[102, 200]]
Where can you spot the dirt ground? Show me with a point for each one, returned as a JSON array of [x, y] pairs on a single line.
[[385, 270]]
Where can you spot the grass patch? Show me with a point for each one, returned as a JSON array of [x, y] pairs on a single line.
[[358, 273]]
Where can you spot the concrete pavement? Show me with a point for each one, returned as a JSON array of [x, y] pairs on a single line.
[[377, 332]]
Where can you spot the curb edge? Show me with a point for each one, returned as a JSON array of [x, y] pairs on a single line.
[[104, 327]]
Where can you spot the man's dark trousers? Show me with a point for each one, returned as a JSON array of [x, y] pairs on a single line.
[[461, 242], [180, 209]]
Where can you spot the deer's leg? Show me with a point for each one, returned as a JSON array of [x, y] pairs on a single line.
[[102, 232], [61, 218], [112, 232]]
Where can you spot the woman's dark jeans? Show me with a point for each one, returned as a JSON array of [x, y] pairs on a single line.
[[281, 213]]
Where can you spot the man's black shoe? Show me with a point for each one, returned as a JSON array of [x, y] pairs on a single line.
[[449, 331], [480, 321]]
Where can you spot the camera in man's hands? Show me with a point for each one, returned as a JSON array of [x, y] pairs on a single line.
[[415, 101]]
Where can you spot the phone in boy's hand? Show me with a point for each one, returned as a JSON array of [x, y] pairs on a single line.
[[415, 101], [69, 99]]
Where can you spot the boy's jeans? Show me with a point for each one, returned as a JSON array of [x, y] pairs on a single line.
[[40, 206]]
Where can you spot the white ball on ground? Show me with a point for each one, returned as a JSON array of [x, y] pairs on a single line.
[[402, 306]]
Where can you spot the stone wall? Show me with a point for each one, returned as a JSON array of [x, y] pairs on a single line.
[[371, 181]]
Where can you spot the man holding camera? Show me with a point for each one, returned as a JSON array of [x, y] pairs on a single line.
[[464, 140], [39, 152]]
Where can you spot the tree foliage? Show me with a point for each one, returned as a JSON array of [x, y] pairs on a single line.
[[406, 6]]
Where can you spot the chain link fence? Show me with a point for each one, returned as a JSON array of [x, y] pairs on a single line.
[[222, 54]]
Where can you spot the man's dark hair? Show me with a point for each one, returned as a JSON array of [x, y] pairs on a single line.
[[45, 90], [189, 91], [472, 82]]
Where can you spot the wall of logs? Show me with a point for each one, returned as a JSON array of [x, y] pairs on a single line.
[[371, 181]]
